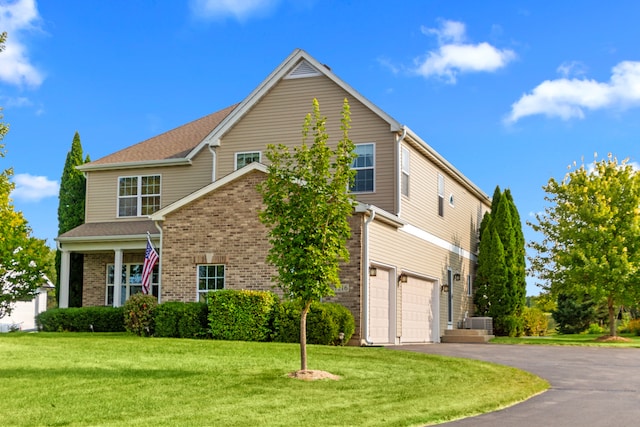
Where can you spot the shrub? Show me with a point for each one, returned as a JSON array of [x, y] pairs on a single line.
[[241, 315], [325, 321], [594, 328], [82, 319], [534, 322], [138, 314], [512, 326], [181, 320], [573, 315], [634, 326]]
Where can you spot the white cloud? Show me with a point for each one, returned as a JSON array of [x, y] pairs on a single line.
[[238, 9], [572, 68], [454, 56], [15, 67], [569, 98], [32, 188], [17, 102]]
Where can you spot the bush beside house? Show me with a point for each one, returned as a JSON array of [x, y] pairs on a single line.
[[227, 315]]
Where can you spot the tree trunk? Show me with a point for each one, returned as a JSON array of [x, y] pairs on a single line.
[[303, 336], [612, 317]]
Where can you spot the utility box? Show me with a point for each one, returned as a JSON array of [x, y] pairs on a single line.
[[485, 323]]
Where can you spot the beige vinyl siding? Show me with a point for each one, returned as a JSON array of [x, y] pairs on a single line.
[[459, 223], [405, 252], [175, 183], [278, 119]]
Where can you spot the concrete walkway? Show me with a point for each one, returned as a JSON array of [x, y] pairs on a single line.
[[590, 386]]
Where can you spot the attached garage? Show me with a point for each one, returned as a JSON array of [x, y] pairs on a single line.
[[418, 311]]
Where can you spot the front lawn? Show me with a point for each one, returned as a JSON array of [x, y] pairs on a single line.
[[570, 339], [119, 379]]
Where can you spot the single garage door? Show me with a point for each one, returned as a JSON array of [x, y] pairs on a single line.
[[417, 310], [379, 307]]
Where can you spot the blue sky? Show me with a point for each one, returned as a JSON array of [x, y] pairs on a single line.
[[511, 92]]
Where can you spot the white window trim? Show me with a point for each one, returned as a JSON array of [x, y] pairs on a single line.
[[235, 157], [441, 185], [373, 167], [138, 195], [406, 171], [224, 279], [125, 283]]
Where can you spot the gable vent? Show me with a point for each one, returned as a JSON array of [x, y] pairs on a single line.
[[302, 70]]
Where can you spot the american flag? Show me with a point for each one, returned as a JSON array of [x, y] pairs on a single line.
[[150, 259]]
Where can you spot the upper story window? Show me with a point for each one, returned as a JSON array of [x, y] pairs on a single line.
[[364, 166], [138, 195], [405, 172], [243, 159], [440, 194]]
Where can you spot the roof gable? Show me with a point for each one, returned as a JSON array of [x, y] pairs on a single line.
[[298, 65], [162, 213]]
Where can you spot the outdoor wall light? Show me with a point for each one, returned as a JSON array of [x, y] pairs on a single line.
[[402, 278], [373, 271], [456, 277], [444, 288]]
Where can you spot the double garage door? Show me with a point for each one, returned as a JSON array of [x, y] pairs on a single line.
[[414, 302]]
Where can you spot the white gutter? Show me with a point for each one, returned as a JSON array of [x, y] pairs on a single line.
[[365, 268], [213, 161], [399, 181]]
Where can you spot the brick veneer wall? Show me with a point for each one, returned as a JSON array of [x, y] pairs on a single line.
[[95, 274], [224, 227]]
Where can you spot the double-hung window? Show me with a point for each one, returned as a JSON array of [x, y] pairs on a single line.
[[405, 171], [210, 278], [130, 281], [364, 165], [440, 194], [243, 159], [138, 195]]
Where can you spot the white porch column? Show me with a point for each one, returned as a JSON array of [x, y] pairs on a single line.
[[65, 262], [117, 278]]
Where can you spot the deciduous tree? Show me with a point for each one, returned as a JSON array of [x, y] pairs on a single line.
[[590, 235], [22, 257], [307, 210]]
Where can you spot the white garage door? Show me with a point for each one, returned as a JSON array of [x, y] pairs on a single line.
[[379, 307], [417, 310]]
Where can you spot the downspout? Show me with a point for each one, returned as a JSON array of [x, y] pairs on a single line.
[[365, 294], [399, 180], [213, 164]]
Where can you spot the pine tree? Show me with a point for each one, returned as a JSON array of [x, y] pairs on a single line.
[[71, 209]]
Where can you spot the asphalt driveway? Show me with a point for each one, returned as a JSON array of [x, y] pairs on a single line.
[[590, 386]]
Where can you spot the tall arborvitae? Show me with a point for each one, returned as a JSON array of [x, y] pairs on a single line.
[[71, 215], [519, 262], [500, 279]]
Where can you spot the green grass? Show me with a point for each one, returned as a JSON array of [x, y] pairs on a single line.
[[576, 340], [61, 379]]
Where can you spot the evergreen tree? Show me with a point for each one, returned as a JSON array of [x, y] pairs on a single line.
[[500, 278], [71, 209]]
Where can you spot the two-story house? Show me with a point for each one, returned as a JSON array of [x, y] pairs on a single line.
[[193, 189]]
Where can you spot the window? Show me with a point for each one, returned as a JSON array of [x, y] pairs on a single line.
[[405, 172], [210, 278], [130, 281], [451, 200], [440, 195], [243, 159], [364, 167], [138, 195]]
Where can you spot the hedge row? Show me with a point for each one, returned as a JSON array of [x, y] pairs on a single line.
[[227, 315], [82, 319]]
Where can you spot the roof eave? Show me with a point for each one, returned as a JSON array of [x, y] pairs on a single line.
[[135, 165]]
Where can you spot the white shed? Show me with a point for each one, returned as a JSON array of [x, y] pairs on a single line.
[[23, 315]]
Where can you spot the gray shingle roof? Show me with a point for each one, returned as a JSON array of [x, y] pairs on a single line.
[[173, 144], [111, 229]]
